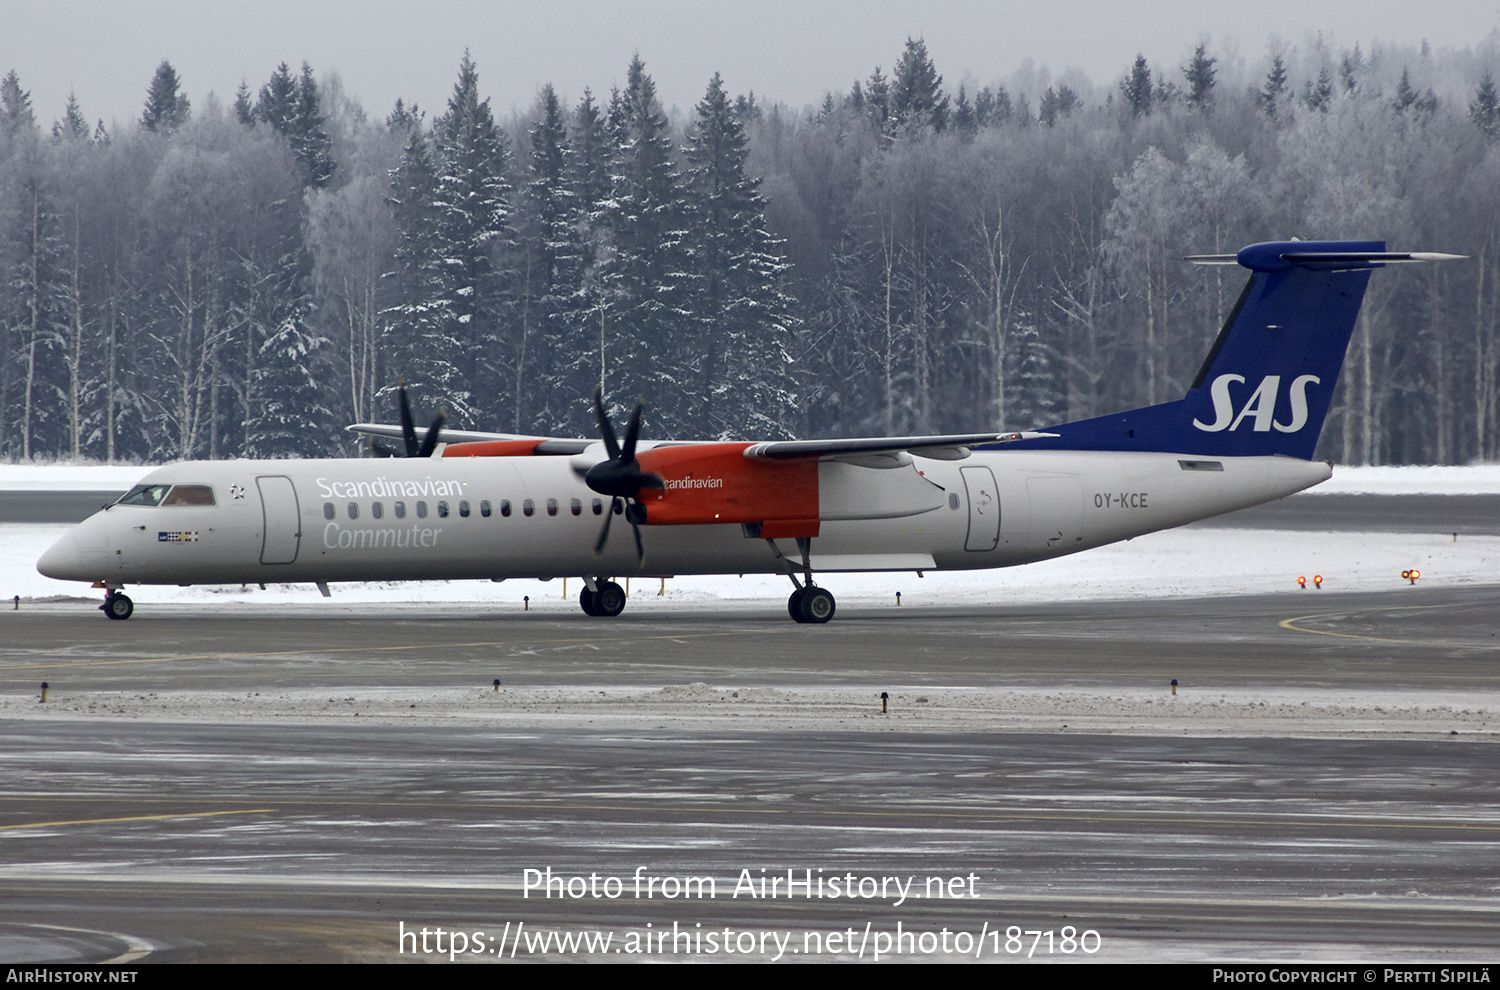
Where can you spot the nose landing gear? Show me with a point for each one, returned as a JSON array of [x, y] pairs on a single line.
[[117, 605]]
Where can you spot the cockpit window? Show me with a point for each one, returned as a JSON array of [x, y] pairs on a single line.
[[144, 495], [190, 495]]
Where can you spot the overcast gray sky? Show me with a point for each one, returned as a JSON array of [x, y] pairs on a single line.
[[787, 51]]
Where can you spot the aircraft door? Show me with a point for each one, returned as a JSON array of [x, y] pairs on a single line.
[[984, 508], [282, 530]]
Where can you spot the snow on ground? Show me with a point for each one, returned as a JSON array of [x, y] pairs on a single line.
[[1471, 716], [70, 477], [1477, 479]]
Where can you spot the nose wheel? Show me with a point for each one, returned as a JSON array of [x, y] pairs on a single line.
[[117, 606]]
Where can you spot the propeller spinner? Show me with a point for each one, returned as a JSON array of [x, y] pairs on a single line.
[[620, 476]]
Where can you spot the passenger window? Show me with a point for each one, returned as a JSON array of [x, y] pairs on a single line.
[[527, 508], [442, 510], [577, 507], [421, 510], [144, 495], [598, 507], [551, 506], [400, 508], [353, 510], [377, 510], [505, 507], [329, 511], [484, 508], [190, 495], [463, 509]]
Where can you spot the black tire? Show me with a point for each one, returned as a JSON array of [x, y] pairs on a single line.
[[794, 605], [117, 606], [817, 605], [609, 600], [586, 602]]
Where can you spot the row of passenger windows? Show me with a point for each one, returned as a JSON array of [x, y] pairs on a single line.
[[398, 509]]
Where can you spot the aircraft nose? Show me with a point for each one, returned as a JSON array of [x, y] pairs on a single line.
[[64, 561]]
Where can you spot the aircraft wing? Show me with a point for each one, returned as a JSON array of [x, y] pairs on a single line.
[[547, 445], [948, 448]]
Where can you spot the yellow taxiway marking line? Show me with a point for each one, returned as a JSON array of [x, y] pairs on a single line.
[[542, 644], [1288, 624], [136, 818]]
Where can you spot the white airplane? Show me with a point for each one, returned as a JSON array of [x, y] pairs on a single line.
[[495, 506]]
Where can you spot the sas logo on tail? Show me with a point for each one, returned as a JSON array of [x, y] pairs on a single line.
[[1260, 407]]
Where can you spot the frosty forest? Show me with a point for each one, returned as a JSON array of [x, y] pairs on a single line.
[[245, 277]]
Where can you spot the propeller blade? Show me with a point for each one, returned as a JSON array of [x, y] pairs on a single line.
[[408, 429], [632, 433], [640, 549], [604, 533], [430, 442], [606, 430]]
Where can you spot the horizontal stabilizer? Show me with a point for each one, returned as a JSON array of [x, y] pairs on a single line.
[[1270, 258]]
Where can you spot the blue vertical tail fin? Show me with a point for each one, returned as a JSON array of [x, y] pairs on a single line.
[[1267, 383]]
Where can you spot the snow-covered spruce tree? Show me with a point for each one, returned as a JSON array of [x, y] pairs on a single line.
[[545, 266], [917, 97], [293, 109], [1199, 74], [651, 343], [309, 138], [1271, 98], [1484, 109], [473, 213], [167, 107], [744, 385], [420, 347], [290, 416], [1136, 88], [584, 258]]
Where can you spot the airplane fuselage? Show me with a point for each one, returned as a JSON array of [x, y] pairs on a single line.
[[491, 518]]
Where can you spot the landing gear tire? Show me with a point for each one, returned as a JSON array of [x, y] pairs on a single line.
[[817, 605], [609, 600], [794, 605], [586, 602], [117, 606]]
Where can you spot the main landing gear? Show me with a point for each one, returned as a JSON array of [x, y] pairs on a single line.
[[116, 605], [604, 599], [808, 603], [811, 604]]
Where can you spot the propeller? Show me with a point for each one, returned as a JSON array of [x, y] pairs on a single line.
[[409, 432], [620, 476]]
